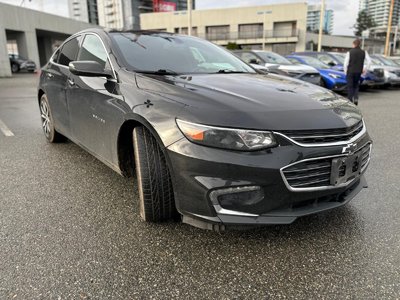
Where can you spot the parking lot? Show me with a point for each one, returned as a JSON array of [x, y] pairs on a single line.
[[70, 227]]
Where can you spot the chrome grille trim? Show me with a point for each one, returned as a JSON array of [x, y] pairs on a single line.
[[337, 143], [366, 151]]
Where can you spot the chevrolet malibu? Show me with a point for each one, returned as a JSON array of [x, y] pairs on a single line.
[[209, 138]]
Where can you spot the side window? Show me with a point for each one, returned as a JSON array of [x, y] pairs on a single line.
[[69, 52], [247, 57], [93, 49], [326, 59]]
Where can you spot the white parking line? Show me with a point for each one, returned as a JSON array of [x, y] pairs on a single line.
[[6, 131]]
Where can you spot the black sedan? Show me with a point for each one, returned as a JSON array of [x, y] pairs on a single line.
[[19, 63], [209, 138]]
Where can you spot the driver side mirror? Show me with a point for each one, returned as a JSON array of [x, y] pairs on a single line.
[[89, 68]]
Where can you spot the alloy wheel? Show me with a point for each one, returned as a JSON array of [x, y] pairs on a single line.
[[45, 115]]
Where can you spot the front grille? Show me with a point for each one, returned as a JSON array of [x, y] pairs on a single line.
[[316, 173], [311, 77], [324, 136]]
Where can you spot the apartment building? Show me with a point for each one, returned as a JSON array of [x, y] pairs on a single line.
[[110, 14], [314, 16], [280, 28], [83, 10], [379, 10]]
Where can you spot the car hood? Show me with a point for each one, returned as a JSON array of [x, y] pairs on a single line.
[[254, 101], [333, 71]]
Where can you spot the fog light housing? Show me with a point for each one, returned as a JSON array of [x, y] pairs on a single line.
[[236, 197]]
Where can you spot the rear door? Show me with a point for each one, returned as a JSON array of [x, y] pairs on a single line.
[[57, 74], [92, 102]]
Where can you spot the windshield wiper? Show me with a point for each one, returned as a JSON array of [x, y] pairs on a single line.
[[160, 72]]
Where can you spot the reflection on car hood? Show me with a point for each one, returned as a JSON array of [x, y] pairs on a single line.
[[254, 101], [298, 68]]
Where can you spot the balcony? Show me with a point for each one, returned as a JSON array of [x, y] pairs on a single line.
[[271, 36]]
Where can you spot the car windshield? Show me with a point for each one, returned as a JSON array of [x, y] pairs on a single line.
[[339, 57], [313, 62], [165, 53], [388, 62], [376, 61], [273, 58]]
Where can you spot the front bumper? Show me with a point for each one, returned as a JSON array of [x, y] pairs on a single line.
[[199, 170]]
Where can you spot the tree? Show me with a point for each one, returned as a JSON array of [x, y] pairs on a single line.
[[364, 21], [232, 46]]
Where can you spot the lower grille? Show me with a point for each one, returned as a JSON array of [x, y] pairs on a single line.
[[317, 173]]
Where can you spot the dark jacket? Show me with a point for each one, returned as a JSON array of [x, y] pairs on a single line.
[[356, 61]]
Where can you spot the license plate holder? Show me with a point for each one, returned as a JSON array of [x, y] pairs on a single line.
[[345, 168]]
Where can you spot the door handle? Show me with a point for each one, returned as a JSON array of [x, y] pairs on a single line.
[[71, 82]]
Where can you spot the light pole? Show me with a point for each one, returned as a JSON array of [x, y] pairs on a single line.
[[321, 24], [389, 29], [189, 5], [264, 13]]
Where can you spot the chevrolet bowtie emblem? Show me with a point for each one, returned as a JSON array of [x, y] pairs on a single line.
[[350, 148]]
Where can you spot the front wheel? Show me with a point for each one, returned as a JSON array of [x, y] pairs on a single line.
[[47, 122], [156, 197]]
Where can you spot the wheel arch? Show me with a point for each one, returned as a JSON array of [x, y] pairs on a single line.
[[126, 161]]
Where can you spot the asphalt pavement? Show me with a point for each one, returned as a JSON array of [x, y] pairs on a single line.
[[70, 227]]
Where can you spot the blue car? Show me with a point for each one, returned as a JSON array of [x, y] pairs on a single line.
[[330, 78], [373, 78]]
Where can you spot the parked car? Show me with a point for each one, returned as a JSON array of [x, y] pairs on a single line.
[[208, 136], [330, 78], [391, 70], [19, 63], [373, 78], [396, 59], [278, 64]]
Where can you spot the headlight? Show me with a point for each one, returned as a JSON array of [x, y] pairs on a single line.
[[336, 76], [227, 138]]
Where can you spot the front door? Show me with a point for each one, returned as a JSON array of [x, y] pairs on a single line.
[[91, 102]]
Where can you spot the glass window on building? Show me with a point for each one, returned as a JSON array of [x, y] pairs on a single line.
[[217, 32], [284, 48], [251, 31], [285, 29], [184, 30]]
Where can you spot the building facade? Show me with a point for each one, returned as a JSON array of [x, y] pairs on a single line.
[[281, 28], [110, 14], [379, 10], [313, 19], [84, 11], [132, 9]]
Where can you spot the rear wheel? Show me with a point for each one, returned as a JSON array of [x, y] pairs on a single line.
[[156, 197], [47, 122]]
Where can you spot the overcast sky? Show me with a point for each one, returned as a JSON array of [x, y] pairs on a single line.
[[345, 11]]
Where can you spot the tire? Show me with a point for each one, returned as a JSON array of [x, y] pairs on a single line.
[[322, 83], [156, 197], [46, 117], [14, 68]]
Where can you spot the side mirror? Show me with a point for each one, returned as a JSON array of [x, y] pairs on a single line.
[[254, 61], [332, 64], [88, 68]]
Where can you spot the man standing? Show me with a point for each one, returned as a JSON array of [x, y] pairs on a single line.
[[357, 62]]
